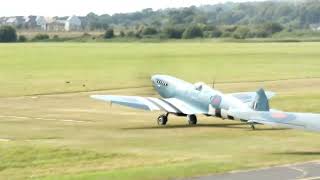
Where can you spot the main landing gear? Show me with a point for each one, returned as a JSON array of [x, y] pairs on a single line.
[[192, 119], [163, 119], [252, 125]]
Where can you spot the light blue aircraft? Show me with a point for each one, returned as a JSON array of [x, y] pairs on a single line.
[[181, 98]]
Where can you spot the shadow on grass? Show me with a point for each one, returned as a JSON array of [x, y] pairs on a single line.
[[186, 126], [270, 129], [299, 153], [182, 126]]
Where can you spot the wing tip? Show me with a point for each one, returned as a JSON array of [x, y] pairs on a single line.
[[94, 96], [100, 97]]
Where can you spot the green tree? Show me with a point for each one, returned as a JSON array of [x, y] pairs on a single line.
[[192, 32], [173, 32], [109, 34], [41, 37], [22, 38], [241, 33], [8, 34], [149, 31], [272, 28], [216, 33], [212, 31], [122, 34]]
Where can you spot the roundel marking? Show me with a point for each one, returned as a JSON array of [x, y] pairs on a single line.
[[280, 116], [216, 101]]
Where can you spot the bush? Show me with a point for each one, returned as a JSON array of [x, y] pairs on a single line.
[[272, 28], [226, 34], [131, 34], [41, 37], [259, 33], [230, 29], [22, 38], [149, 31], [122, 34], [8, 34], [86, 34], [109, 34], [173, 33], [216, 33], [241, 33], [192, 32]]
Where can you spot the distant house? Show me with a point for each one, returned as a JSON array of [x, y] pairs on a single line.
[[2, 20], [20, 21], [30, 22], [52, 24], [16, 21], [41, 22], [73, 23], [13, 21], [315, 27]]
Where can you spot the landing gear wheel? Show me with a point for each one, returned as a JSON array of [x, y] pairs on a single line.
[[192, 119], [162, 120]]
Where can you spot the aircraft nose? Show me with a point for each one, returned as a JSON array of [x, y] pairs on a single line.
[[153, 78]]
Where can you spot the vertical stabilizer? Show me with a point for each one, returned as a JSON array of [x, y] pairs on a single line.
[[261, 102]]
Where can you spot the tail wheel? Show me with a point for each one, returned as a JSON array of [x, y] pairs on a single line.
[[192, 119], [162, 120]]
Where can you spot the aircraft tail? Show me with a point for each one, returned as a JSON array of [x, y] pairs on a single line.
[[261, 102]]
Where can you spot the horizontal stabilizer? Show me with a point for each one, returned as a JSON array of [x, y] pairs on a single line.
[[306, 121], [249, 97]]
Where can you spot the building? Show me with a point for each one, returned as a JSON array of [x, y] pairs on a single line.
[[30, 22], [55, 25], [2, 20], [13, 21], [41, 23], [315, 27], [73, 23]]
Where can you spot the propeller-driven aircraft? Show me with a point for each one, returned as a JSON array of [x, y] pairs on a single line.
[[181, 98]]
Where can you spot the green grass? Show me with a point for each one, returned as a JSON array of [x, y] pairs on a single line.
[[45, 68], [70, 136]]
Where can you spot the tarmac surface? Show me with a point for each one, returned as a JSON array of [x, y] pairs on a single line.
[[303, 171]]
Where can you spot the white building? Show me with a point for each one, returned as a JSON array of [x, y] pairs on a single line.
[[73, 23], [315, 27], [12, 21], [41, 22]]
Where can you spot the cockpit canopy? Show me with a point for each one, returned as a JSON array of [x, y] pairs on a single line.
[[201, 86]]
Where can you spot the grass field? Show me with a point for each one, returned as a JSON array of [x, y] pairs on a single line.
[[50, 129]]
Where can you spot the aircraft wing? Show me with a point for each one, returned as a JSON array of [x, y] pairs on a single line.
[[306, 121], [247, 97], [171, 105]]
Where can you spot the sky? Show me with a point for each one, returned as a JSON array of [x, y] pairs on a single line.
[[83, 7]]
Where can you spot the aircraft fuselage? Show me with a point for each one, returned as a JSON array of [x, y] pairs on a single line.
[[199, 95]]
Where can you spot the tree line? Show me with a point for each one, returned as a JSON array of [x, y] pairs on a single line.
[[235, 20], [291, 14]]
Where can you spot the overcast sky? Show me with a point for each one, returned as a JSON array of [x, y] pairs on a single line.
[[83, 7]]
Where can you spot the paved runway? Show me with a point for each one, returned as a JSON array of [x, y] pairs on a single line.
[[304, 171]]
